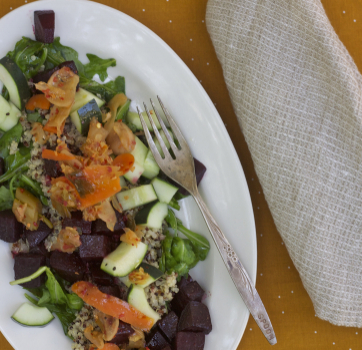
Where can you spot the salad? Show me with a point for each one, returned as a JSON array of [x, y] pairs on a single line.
[[88, 213]]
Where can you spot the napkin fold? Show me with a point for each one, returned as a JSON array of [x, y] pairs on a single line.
[[297, 95]]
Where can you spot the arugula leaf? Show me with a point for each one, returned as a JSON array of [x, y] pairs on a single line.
[[14, 134], [105, 91], [29, 55], [45, 298], [6, 200], [57, 295], [34, 188], [98, 66], [15, 164], [172, 220]]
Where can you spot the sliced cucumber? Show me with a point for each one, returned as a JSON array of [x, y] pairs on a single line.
[[153, 275], [9, 114], [124, 259], [122, 181], [32, 315], [137, 196], [152, 215], [14, 80], [82, 117], [82, 97], [133, 119], [137, 298], [164, 138], [139, 153], [151, 169], [164, 190]]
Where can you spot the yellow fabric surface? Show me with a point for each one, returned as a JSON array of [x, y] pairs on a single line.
[[180, 23]]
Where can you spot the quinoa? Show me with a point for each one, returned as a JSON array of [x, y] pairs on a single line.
[[83, 319], [13, 147]]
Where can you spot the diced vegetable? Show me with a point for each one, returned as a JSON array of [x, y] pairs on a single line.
[[44, 26], [136, 196], [33, 316], [112, 306], [37, 101]]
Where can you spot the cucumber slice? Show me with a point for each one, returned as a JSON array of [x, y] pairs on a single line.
[[83, 116], [164, 138], [82, 97], [137, 298], [164, 190], [151, 169], [133, 119], [4, 108], [122, 181], [137, 196], [14, 80], [139, 153], [153, 272], [152, 215], [124, 259], [32, 315], [12, 119]]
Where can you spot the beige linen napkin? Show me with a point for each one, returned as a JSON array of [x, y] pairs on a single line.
[[297, 95]]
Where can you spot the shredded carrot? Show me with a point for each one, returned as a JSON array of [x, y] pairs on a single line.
[[37, 101], [124, 161], [112, 306], [53, 155]]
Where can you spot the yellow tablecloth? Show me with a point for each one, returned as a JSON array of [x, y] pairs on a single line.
[[278, 283]]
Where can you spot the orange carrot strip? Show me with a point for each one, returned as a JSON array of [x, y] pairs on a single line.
[[53, 155], [112, 306], [37, 101], [124, 161]]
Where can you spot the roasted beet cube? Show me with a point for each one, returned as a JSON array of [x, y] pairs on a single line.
[[155, 340], [94, 247], [36, 237], [110, 290], [124, 331], [183, 281], [44, 26], [77, 221], [168, 325], [2, 166], [99, 227], [39, 249], [189, 340], [10, 228], [25, 265], [115, 241], [52, 168], [68, 266], [195, 318], [167, 347], [190, 292], [98, 276]]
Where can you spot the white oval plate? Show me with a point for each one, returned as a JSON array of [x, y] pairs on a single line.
[[151, 68]]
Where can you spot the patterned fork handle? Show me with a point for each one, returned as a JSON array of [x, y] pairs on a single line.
[[238, 273]]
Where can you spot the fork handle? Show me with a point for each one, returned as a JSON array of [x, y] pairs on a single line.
[[238, 273]]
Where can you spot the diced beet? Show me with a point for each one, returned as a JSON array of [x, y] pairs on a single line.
[[188, 341], [2, 166], [77, 221], [190, 292], [99, 227], [195, 317], [98, 276], [155, 340], [52, 168], [184, 281], [35, 237], [44, 26], [10, 228], [115, 241], [39, 249], [94, 247], [110, 290], [68, 266], [26, 264], [167, 347], [123, 289], [168, 325], [123, 333]]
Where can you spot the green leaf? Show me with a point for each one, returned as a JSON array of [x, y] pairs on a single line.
[[172, 220], [6, 199], [57, 294], [122, 112], [34, 188], [74, 301], [105, 91], [182, 251], [14, 134], [29, 55], [97, 65], [45, 298]]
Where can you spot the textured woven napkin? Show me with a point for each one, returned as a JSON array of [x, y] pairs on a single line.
[[297, 95]]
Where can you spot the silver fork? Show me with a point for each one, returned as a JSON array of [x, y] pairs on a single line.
[[181, 169]]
